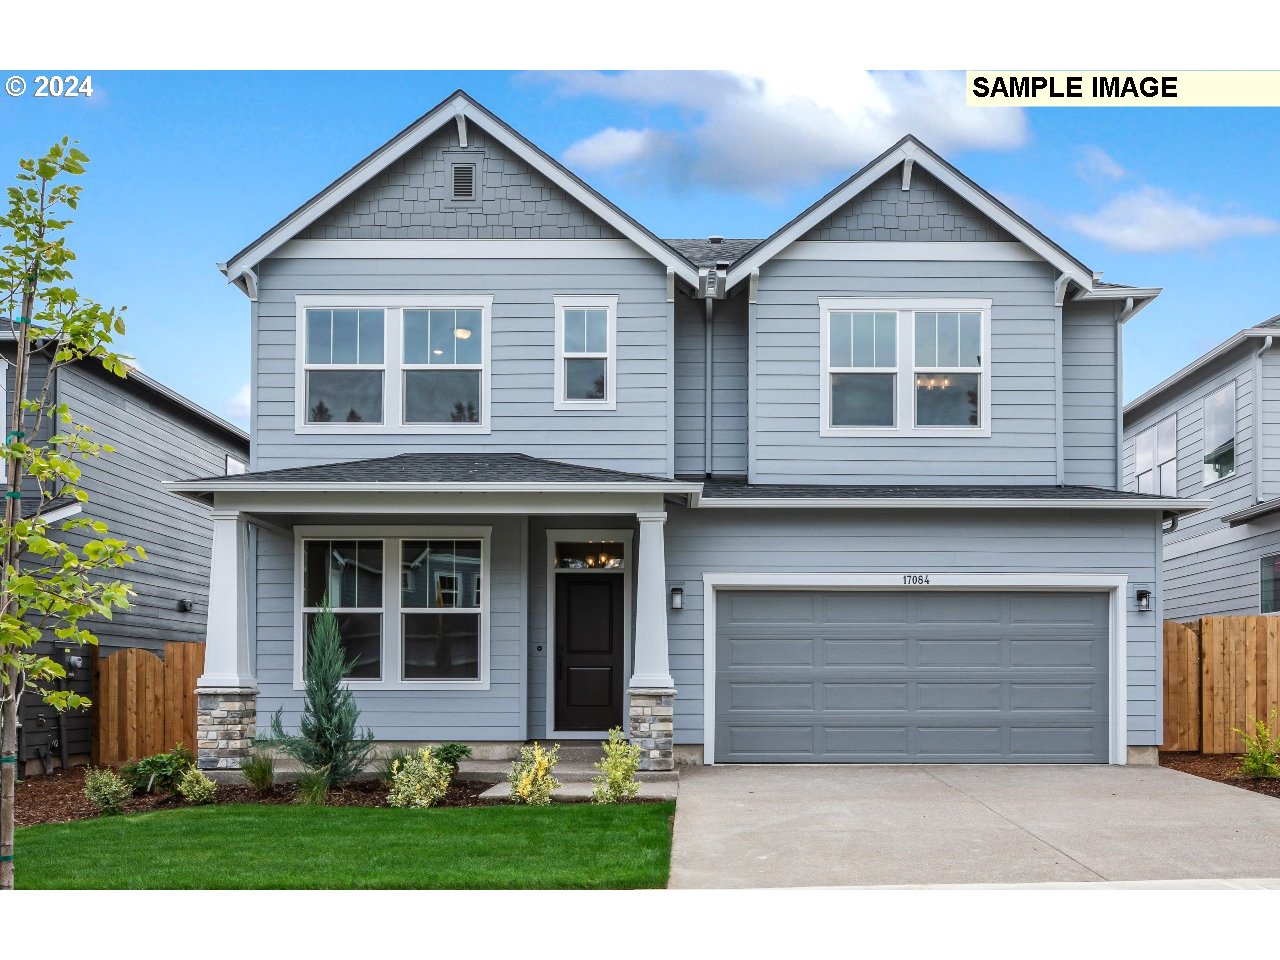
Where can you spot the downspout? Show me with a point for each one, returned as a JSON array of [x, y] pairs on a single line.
[[707, 440], [1255, 427]]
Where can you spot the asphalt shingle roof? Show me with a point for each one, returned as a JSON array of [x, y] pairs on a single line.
[[442, 468], [704, 253], [738, 488]]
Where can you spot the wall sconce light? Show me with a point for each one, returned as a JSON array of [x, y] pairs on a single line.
[[677, 598], [1144, 600]]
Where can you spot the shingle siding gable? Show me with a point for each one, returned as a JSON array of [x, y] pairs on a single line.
[[928, 211], [411, 199]]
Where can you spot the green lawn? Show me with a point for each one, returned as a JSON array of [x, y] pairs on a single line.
[[268, 847]]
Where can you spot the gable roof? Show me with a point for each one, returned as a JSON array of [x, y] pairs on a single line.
[[457, 105], [707, 253], [911, 150]]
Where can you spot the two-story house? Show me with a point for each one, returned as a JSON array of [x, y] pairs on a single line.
[[848, 493], [1203, 432]]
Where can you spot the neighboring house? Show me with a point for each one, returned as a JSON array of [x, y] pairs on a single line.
[[1197, 435], [158, 435], [848, 493]]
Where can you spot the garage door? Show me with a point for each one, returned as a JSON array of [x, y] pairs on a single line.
[[972, 677]]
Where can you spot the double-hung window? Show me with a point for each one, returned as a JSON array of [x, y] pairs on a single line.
[[394, 364], [586, 353], [426, 628], [1156, 458], [1220, 434], [911, 368], [344, 357]]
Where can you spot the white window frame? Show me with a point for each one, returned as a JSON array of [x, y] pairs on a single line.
[[1235, 431], [393, 367], [610, 305], [904, 399], [392, 649], [1157, 463]]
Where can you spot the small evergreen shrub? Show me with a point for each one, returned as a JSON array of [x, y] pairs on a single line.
[[419, 781], [196, 788], [327, 739], [160, 771], [313, 788], [1261, 756], [106, 790], [259, 769], [530, 777], [387, 769], [617, 781], [451, 754]]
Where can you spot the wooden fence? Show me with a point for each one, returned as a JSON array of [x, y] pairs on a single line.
[[1219, 673], [142, 704]]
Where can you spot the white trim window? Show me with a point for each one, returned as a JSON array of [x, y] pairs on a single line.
[[586, 353], [426, 629], [344, 365], [1269, 584], [415, 364], [911, 368], [1219, 434], [1155, 454]]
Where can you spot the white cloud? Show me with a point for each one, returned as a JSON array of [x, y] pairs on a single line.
[[1150, 220], [1093, 164], [238, 406], [766, 132], [612, 148]]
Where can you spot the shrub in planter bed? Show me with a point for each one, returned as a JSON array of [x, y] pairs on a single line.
[[106, 790], [1261, 749], [451, 754], [160, 771], [387, 768], [419, 781], [196, 788], [530, 777], [617, 780], [259, 769], [313, 788]]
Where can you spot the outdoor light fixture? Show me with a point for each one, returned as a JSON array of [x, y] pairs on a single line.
[[677, 598], [1144, 600]]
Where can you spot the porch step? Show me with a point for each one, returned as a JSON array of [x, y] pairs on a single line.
[[567, 772], [576, 792]]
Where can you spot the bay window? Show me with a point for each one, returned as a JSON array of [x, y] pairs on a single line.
[[425, 628], [912, 368]]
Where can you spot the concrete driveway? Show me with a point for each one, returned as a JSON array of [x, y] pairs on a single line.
[[787, 826]]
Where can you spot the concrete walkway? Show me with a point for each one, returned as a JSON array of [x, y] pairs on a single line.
[[787, 826]]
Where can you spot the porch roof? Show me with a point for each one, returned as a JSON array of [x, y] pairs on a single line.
[[436, 472]]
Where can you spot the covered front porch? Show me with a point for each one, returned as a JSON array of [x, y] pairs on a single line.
[[494, 599]]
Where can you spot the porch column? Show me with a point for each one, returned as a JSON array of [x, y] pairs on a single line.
[[226, 693], [652, 690]]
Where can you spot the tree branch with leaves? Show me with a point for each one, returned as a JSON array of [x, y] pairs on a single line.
[[51, 580]]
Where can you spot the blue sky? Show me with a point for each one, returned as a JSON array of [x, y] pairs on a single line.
[[188, 167]]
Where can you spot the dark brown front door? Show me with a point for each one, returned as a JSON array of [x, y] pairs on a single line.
[[588, 651]]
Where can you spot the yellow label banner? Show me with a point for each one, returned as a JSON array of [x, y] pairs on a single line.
[[1153, 88]]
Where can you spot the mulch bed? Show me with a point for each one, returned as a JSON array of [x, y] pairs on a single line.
[[59, 797], [1221, 767]]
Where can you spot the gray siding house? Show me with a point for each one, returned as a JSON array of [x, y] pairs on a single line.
[[848, 493], [158, 435], [1203, 433]]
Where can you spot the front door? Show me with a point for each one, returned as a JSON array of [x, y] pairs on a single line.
[[588, 651]]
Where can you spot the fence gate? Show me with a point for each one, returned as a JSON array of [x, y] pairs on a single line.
[[144, 705]]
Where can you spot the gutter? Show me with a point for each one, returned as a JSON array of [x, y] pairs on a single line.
[[1256, 426], [1171, 505]]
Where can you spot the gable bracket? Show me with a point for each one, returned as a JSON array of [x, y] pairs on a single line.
[[907, 164], [462, 128], [1060, 289]]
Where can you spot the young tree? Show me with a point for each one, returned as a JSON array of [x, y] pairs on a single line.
[[327, 741], [48, 582]]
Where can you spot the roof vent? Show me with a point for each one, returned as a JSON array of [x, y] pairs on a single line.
[[464, 181], [715, 239]]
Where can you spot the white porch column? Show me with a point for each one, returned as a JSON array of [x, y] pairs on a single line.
[[226, 693], [652, 691]]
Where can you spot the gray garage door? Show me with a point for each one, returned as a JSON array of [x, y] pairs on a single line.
[[851, 676]]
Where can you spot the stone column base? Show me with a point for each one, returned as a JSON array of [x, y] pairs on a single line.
[[652, 726], [226, 724]]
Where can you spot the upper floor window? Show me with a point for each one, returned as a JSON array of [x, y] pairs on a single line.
[[1220, 434], [905, 367], [344, 365], [1156, 458], [394, 364], [586, 353], [1269, 587]]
